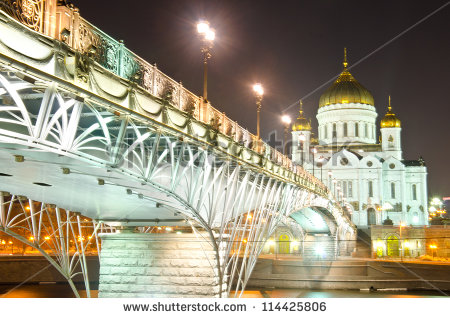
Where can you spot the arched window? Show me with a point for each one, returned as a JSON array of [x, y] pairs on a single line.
[[326, 132], [414, 192], [356, 130], [345, 130], [392, 190], [370, 189], [334, 131], [365, 131]]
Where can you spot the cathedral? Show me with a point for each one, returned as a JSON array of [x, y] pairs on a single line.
[[368, 175]]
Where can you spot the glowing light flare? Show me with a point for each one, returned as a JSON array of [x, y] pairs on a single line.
[[244, 241], [433, 246], [31, 238], [3, 242], [169, 229], [271, 242], [320, 251], [302, 137], [258, 89], [27, 208], [202, 27], [210, 35], [436, 201], [47, 238], [286, 119]]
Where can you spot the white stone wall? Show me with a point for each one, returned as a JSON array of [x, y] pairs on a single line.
[[381, 170], [350, 114], [158, 265]]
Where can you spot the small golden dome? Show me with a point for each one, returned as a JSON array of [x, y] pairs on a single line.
[[346, 89], [390, 120], [301, 123]]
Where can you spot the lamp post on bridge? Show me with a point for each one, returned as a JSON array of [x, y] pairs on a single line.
[[259, 92], [302, 139], [207, 35], [314, 151], [321, 160], [286, 121]]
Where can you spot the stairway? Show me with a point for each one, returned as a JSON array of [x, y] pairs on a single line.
[[363, 244], [319, 249]]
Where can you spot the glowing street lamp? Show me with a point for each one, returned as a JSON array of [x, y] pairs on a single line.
[[433, 248], [207, 36], [286, 121], [259, 92]]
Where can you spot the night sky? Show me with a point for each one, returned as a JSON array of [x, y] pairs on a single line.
[[293, 48]]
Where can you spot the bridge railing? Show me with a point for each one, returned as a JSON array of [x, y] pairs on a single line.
[[83, 37]]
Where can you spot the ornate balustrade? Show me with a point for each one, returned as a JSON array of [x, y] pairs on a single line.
[[95, 45]]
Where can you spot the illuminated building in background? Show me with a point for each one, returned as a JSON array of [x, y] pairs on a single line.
[[366, 172]]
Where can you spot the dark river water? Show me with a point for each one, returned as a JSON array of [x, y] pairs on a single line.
[[64, 291]]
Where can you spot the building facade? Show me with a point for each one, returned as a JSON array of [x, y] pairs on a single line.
[[369, 175]]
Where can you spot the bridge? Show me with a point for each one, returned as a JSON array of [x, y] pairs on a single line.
[[101, 151]]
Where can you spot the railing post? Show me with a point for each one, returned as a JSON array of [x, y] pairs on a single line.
[[180, 87], [121, 57], [75, 28], [49, 17], [154, 88]]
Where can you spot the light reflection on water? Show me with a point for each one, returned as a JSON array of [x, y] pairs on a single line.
[[40, 291], [64, 291], [307, 293]]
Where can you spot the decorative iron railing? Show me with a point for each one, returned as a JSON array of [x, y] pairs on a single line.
[[28, 12], [85, 38]]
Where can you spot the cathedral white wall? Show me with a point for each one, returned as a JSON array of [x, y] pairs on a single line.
[[371, 167], [350, 114]]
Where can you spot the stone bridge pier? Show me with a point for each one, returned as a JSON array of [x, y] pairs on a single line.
[[159, 265]]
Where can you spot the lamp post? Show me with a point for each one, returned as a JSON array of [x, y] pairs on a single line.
[[286, 121], [302, 139], [314, 151], [321, 160], [330, 175], [207, 35], [401, 242], [334, 187], [259, 92]]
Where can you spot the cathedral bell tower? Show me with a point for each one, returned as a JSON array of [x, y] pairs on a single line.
[[301, 138], [391, 134]]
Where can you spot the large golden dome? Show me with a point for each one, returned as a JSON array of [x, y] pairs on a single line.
[[346, 89], [301, 123], [390, 120]]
